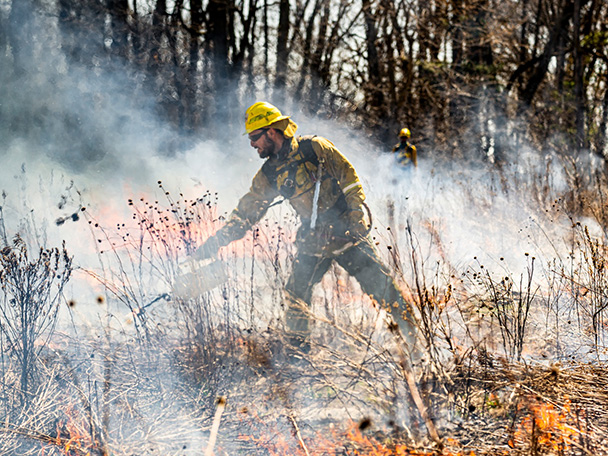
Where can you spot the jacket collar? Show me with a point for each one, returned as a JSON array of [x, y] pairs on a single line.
[[288, 149]]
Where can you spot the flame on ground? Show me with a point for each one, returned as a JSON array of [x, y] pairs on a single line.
[[74, 436], [547, 427], [351, 440]]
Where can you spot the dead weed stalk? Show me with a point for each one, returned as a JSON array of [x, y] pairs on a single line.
[[31, 293]]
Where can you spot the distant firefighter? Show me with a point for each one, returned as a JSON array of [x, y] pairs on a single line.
[[323, 188], [406, 152]]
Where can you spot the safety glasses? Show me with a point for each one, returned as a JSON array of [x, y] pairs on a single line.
[[254, 138]]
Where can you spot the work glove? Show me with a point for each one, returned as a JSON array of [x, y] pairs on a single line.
[[357, 227]]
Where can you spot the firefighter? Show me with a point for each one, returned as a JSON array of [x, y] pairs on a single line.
[[326, 193], [406, 152]]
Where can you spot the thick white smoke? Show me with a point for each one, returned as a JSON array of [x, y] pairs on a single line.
[[75, 137]]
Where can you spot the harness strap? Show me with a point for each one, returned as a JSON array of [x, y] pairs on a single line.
[[306, 154]]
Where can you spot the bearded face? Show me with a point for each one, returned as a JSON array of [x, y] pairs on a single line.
[[265, 142]]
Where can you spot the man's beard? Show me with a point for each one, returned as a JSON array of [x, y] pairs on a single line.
[[267, 152], [264, 153]]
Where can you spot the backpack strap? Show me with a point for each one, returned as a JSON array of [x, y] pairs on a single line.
[[306, 150], [306, 154]]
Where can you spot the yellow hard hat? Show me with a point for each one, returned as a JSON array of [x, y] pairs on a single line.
[[404, 133], [262, 115]]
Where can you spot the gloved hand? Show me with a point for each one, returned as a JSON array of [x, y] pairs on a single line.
[[357, 227], [208, 249]]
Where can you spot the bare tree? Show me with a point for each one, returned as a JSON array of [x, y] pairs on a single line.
[[438, 67]]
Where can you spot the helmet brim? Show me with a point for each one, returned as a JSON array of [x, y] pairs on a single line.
[[278, 119]]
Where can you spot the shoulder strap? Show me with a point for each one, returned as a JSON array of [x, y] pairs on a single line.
[[306, 150]]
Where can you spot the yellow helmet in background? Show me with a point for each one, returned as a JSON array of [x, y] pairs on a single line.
[[262, 115], [404, 133]]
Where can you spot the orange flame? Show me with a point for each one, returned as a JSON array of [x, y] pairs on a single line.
[[547, 427], [333, 442], [72, 436]]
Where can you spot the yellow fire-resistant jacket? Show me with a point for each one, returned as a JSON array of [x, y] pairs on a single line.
[[292, 175], [406, 153]]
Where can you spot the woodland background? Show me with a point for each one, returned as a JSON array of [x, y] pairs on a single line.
[[470, 79]]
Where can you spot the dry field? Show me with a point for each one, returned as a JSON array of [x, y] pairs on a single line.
[[507, 363]]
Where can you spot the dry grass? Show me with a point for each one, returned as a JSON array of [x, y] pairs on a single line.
[[150, 385]]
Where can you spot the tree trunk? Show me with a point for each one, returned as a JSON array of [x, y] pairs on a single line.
[[603, 127], [457, 36], [3, 36], [20, 35], [306, 68], [282, 51], [218, 47], [193, 110], [540, 72], [375, 96], [579, 99], [523, 36], [118, 11], [159, 18], [318, 82]]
